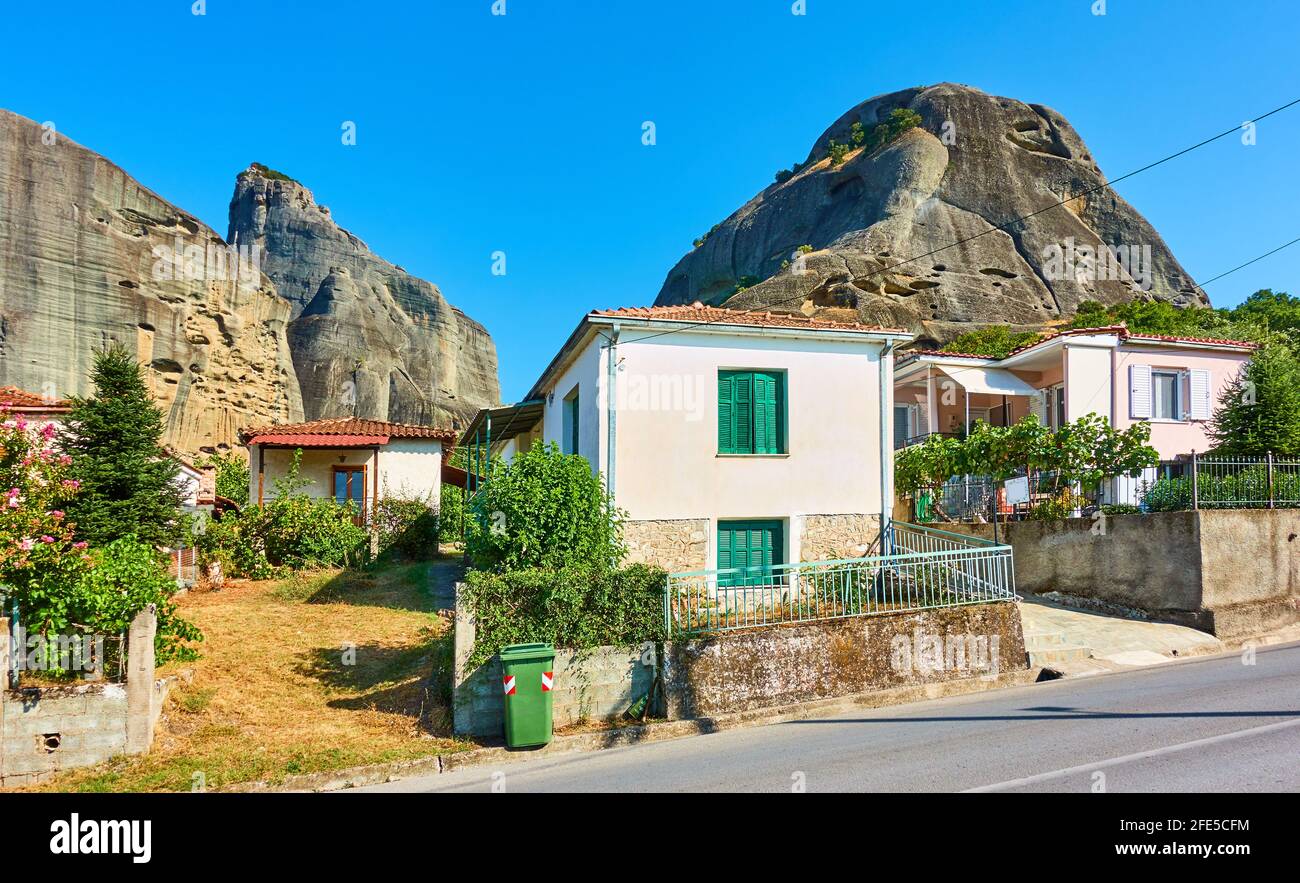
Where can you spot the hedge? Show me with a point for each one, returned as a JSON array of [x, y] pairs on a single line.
[[573, 607]]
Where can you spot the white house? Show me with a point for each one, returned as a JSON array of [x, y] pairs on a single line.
[[349, 459], [729, 438]]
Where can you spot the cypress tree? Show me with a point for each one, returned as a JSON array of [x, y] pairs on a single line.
[[1259, 411], [128, 483]]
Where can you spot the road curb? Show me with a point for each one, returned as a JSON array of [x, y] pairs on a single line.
[[637, 734]]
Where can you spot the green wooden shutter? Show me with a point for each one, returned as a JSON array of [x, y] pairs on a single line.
[[769, 413], [726, 412], [743, 409], [725, 560], [751, 412], [749, 544]]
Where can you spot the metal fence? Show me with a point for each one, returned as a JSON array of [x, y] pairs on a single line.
[[1211, 482], [922, 568], [969, 497]]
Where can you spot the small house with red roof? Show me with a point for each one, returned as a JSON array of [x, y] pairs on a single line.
[[37, 410], [350, 459], [731, 439]]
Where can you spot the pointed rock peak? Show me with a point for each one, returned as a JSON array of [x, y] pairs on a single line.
[[259, 170]]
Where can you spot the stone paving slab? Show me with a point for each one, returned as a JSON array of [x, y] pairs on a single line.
[[1113, 643]]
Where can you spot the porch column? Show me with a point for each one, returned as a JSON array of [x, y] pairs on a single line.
[[374, 496], [931, 404]]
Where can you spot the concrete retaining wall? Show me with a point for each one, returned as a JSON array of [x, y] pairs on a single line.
[[1234, 572], [47, 729], [779, 665], [596, 684]]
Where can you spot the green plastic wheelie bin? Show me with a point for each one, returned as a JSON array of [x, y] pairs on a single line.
[[528, 676]]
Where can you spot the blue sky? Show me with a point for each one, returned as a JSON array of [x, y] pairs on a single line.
[[522, 133]]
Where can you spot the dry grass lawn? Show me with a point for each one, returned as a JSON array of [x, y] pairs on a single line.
[[319, 672]]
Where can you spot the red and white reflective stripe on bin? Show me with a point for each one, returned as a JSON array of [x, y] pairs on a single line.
[[548, 680]]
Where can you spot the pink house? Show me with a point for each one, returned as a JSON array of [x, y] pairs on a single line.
[[1172, 383]]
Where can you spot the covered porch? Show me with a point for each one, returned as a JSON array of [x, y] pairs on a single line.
[[949, 398], [500, 431]]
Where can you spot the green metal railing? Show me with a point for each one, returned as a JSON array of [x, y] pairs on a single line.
[[921, 568]]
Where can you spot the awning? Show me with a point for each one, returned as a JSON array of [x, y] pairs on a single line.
[[492, 425], [307, 440], [990, 381]]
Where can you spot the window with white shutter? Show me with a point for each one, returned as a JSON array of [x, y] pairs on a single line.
[[1201, 405], [1139, 392]]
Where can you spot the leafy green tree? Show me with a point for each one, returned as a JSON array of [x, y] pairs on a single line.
[[994, 341], [129, 485], [543, 509], [1259, 411], [1275, 311], [1088, 451], [124, 577]]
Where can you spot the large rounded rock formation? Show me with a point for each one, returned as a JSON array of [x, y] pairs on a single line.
[[838, 237]]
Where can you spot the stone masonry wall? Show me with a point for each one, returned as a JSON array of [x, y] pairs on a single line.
[[777, 665], [831, 537], [1234, 573], [596, 684], [44, 730], [675, 545]]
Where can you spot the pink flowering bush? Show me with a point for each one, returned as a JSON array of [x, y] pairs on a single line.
[[60, 584], [39, 551]]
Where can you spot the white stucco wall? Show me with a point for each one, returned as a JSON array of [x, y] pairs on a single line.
[[586, 372], [667, 445], [1088, 381], [407, 467]]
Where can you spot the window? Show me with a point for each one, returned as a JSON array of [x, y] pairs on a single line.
[[1054, 407], [902, 427], [569, 441], [751, 412], [1166, 395], [747, 552], [350, 486]]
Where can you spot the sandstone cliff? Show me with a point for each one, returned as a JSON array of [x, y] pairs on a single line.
[[89, 255], [367, 337], [975, 162]]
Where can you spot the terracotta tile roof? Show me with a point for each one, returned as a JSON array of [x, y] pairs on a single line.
[[699, 313], [346, 430], [1217, 341], [1120, 329], [18, 398]]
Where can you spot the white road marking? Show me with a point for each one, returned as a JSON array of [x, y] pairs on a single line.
[[1129, 758]]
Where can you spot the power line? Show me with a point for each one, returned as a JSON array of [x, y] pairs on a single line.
[[1248, 263], [1086, 192]]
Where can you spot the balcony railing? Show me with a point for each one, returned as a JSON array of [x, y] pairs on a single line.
[[922, 569]]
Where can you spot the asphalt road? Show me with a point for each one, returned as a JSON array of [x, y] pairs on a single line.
[[1208, 724]]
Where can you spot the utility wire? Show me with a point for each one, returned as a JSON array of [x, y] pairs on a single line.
[[1086, 192], [1248, 263]]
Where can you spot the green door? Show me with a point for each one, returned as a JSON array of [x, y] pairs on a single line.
[[747, 552]]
